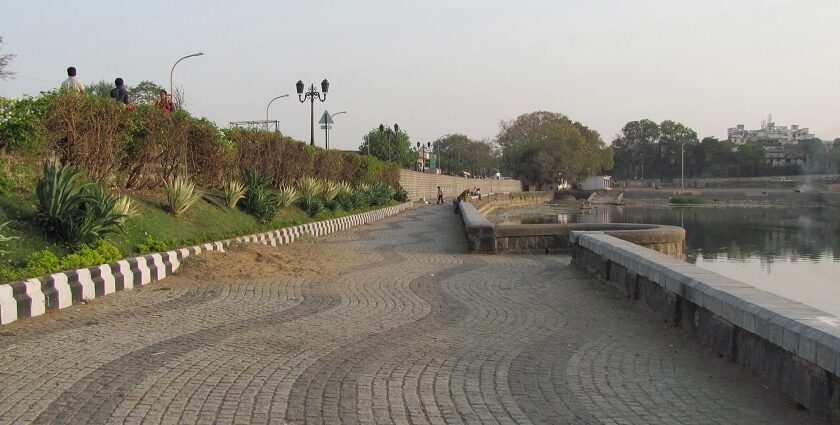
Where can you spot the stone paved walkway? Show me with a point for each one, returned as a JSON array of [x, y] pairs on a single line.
[[415, 331]]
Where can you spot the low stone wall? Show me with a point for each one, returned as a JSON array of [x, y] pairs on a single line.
[[809, 181], [424, 185], [33, 297], [794, 346], [483, 236], [554, 238], [488, 203]]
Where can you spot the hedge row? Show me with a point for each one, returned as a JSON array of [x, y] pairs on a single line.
[[142, 148]]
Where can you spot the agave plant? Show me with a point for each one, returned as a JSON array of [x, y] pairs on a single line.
[[233, 192], [254, 179], [262, 202], [344, 198], [126, 207], [310, 186], [345, 187], [312, 204], [4, 238], [60, 194], [180, 195], [287, 196], [330, 190]]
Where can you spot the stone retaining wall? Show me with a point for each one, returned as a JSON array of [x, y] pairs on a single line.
[[33, 297], [792, 345], [488, 203], [483, 236], [424, 185]]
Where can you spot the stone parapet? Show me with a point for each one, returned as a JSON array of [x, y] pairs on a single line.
[[792, 345], [490, 202], [479, 231], [33, 297]]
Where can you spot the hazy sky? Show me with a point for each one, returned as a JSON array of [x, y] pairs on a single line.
[[439, 67]]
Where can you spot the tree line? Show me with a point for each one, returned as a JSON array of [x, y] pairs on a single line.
[[646, 150]]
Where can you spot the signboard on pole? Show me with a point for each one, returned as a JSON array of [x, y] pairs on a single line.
[[326, 119], [432, 161]]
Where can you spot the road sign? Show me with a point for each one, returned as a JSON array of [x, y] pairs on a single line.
[[325, 127], [326, 118]]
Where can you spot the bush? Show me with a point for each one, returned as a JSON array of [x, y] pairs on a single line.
[[180, 195], [73, 211], [260, 200], [312, 204], [310, 186], [5, 238], [401, 194], [687, 200], [45, 262], [153, 245]]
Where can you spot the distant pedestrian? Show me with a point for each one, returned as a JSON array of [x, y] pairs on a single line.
[[440, 196], [164, 102], [119, 93], [73, 83], [478, 192]]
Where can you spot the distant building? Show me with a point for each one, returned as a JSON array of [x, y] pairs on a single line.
[[779, 154], [769, 132], [597, 183]]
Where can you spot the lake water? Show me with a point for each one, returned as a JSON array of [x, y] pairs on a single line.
[[791, 251]]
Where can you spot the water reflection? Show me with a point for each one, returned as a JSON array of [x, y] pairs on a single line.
[[792, 251]]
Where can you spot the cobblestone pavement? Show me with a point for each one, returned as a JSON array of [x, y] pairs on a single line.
[[414, 331]]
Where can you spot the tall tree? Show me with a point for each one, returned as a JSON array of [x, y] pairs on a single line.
[[5, 60], [389, 145], [635, 149], [545, 147], [458, 152], [145, 92]]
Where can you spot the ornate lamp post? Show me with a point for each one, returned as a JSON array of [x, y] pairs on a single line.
[[423, 148], [172, 71], [269, 104], [312, 94], [382, 130]]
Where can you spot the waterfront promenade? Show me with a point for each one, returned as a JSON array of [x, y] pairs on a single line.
[[388, 323]]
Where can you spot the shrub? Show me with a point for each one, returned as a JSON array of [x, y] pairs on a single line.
[[401, 194], [180, 195], [344, 200], [687, 200], [45, 262], [260, 200], [5, 238], [380, 194], [21, 127], [287, 196], [330, 189], [153, 245], [233, 192], [312, 204]]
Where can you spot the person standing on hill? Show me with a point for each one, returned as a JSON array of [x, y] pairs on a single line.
[[73, 83], [119, 93]]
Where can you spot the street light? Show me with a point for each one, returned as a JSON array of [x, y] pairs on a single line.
[[172, 71], [422, 148], [440, 156], [312, 94], [682, 168], [381, 131], [327, 130], [269, 104]]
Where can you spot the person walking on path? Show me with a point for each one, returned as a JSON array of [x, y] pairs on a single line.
[[73, 83], [119, 93], [440, 196]]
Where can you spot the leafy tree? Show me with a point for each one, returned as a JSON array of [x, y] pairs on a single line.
[[458, 152], [5, 60], [816, 156], [389, 145], [544, 147], [100, 88], [144, 93], [645, 149], [751, 160]]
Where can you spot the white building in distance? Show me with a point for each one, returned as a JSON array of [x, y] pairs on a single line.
[[769, 132]]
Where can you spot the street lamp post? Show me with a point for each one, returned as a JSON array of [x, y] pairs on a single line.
[[382, 131], [423, 148], [269, 104], [172, 71], [312, 94], [682, 169], [327, 130]]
